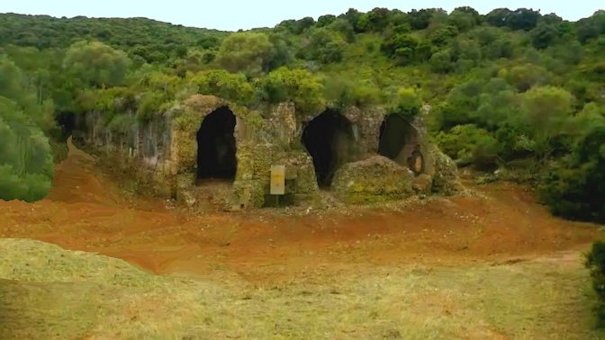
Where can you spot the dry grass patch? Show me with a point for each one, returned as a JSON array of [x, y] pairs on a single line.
[[47, 292]]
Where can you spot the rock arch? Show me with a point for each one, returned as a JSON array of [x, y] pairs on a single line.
[[329, 139], [400, 141], [216, 145]]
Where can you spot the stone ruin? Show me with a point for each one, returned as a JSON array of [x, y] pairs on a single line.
[[361, 156]]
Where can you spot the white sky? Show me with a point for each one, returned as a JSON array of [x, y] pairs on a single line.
[[245, 14]]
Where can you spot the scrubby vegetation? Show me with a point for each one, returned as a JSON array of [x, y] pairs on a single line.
[[509, 87], [595, 261]]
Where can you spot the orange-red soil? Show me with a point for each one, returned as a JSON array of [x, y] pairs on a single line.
[[87, 211]]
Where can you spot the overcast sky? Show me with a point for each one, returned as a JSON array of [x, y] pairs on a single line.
[[244, 14]]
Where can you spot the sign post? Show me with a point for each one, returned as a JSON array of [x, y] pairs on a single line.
[[278, 180]]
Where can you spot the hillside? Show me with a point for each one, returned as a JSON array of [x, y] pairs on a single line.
[[444, 177], [512, 89]]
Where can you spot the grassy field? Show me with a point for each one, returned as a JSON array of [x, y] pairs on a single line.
[[48, 292]]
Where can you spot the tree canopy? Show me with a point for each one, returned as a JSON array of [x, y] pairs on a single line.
[[512, 85]]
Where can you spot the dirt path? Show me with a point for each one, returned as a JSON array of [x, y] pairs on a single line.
[[86, 211]]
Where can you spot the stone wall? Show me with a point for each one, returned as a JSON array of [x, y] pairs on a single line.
[[162, 153]]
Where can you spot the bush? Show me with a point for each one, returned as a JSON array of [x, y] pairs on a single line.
[[26, 161], [343, 92], [595, 262], [575, 188], [405, 103], [325, 46], [441, 62], [296, 85], [149, 105], [403, 48], [246, 52], [468, 144], [230, 86]]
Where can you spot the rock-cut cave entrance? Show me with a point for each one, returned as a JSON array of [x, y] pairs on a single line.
[[216, 146], [329, 140], [399, 141]]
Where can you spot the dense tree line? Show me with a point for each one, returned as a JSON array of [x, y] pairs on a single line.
[[512, 89]]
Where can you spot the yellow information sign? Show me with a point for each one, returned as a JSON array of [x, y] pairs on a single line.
[[278, 180]]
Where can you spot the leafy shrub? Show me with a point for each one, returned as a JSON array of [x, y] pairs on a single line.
[[246, 52], [96, 64], [325, 46], [575, 188], [343, 92], [468, 144], [441, 62], [230, 86], [405, 103], [26, 161], [149, 104], [595, 261], [296, 85], [403, 48]]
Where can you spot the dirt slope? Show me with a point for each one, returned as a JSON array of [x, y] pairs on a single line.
[[492, 264], [86, 211]]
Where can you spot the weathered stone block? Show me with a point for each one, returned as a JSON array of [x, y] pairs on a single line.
[[375, 179], [445, 177]]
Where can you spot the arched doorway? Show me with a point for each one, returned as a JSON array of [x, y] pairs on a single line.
[[67, 122], [329, 140], [399, 141], [216, 146]]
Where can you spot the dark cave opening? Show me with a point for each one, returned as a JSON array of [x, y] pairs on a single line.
[[216, 148], [399, 141], [67, 123], [329, 140]]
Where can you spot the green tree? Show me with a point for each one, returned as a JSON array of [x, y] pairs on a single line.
[[343, 92], [246, 52], [595, 262], [26, 162], [576, 187], [230, 86], [95, 64], [299, 86], [526, 76], [325, 46], [441, 62], [403, 48], [468, 144], [465, 18], [547, 110], [544, 35]]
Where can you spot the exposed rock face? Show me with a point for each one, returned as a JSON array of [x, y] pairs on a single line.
[[423, 184], [162, 154], [445, 175], [375, 179]]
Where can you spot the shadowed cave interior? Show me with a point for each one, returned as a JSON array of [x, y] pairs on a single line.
[[399, 141], [329, 140], [216, 156]]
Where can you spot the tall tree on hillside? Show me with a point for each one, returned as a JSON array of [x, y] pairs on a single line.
[[246, 52], [95, 64]]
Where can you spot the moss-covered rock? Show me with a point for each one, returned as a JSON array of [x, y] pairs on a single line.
[[161, 154], [300, 176], [376, 179], [445, 178], [423, 184]]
